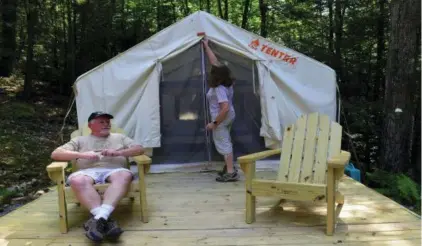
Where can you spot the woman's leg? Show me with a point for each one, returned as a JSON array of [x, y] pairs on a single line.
[[223, 144], [228, 159]]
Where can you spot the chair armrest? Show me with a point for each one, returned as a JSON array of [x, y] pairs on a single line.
[[142, 159], [143, 163], [257, 156], [56, 166], [56, 170], [339, 161]]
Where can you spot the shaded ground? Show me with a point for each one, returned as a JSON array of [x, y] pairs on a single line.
[[29, 132]]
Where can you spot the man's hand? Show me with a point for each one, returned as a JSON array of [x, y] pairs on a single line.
[[111, 152], [90, 155]]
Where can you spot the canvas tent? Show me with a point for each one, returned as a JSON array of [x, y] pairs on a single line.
[[156, 89]]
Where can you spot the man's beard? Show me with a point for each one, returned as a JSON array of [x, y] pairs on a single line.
[[105, 131]]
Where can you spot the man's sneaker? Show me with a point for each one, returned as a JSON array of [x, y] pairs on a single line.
[[95, 229], [112, 230], [228, 177]]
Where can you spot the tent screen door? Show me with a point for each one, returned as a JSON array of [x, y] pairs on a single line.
[[184, 111]]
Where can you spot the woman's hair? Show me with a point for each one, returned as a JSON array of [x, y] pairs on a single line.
[[220, 75]]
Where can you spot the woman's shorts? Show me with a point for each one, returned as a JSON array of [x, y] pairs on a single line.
[[222, 139]]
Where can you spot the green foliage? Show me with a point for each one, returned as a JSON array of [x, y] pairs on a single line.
[[18, 111], [28, 134], [399, 187], [6, 195]]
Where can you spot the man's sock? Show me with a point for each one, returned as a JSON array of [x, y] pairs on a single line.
[[95, 211], [105, 211]]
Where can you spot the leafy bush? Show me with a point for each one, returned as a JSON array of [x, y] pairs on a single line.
[[398, 187], [6, 195]]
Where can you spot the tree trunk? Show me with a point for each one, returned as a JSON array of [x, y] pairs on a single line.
[[379, 81], [263, 8], [71, 42], [31, 20], [220, 10], [208, 6], [401, 86], [226, 10], [56, 35], [245, 14], [331, 28], [416, 153], [339, 34], [8, 40]]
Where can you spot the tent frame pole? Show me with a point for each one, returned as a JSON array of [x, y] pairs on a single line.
[[205, 107]]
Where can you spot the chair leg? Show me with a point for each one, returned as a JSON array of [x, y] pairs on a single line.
[[331, 218], [62, 209], [142, 195], [249, 170], [250, 207]]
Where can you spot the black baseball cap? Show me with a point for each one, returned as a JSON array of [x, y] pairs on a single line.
[[98, 114]]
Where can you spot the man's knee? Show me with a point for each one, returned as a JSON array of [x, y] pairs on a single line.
[[80, 181], [121, 177]]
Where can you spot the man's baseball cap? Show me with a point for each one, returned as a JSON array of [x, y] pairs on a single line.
[[98, 114]]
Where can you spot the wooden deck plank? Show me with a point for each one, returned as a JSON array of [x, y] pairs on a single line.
[[192, 209]]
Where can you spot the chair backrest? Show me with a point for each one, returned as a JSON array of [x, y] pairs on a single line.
[[85, 131], [306, 146]]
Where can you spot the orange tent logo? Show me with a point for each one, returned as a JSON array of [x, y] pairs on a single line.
[[254, 44], [269, 50]]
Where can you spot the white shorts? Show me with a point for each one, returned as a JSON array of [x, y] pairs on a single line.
[[99, 175], [222, 139]]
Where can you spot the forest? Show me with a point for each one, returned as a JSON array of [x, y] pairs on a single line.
[[373, 45]]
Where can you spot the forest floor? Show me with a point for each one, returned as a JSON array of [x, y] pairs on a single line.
[[30, 131]]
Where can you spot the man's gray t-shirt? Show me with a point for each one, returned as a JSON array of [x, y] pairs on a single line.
[[92, 143]]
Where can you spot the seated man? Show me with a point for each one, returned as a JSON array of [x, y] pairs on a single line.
[[100, 158]]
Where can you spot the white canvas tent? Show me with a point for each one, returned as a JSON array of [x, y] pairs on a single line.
[[139, 86]]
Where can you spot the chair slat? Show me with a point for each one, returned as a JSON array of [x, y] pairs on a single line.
[[309, 149], [297, 150], [335, 143], [320, 169], [335, 140], [286, 152]]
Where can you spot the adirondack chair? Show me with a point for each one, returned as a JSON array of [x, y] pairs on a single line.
[[311, 164], [138, 188]]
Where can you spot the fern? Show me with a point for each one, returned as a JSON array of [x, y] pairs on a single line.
[[398, 187], [408, 189]]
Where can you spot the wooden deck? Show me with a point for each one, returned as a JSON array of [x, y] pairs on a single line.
[[190, 209]]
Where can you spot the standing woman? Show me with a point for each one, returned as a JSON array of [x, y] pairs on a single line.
[[220, 100]]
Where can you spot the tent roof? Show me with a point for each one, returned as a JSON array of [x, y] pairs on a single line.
[[197, 19], [127, 85]]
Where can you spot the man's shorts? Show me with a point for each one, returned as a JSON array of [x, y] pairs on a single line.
[[99, 175]]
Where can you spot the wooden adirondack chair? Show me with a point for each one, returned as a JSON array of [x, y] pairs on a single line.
[[311, 164], [138, 188]]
